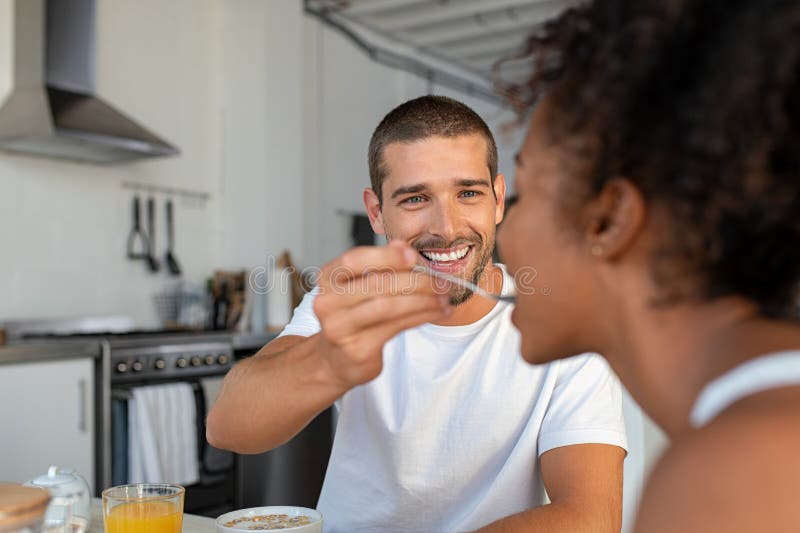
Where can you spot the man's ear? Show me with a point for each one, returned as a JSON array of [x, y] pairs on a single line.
[[616, 218], [499, 187], [373, 206]]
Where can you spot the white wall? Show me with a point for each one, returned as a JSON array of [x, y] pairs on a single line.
[[220, 80], [262, 78], [347, 94]]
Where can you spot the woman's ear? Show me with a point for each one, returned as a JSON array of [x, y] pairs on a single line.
[[373, 205], [615, 218]]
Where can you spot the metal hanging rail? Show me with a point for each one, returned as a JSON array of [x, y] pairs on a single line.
[[392, 59], [169, 191]]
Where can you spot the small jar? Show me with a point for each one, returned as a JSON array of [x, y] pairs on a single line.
[[22, 509], [71, 500]]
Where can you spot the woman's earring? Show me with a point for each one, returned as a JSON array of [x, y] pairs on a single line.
[[597, 250]]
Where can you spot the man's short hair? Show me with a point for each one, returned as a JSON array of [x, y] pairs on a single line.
[[421, 118]]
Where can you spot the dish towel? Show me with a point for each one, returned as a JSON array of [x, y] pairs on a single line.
[[214, 460], [162, 435]]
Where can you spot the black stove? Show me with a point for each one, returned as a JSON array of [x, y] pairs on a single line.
[[138, 356], [185, 352], [147, 358]]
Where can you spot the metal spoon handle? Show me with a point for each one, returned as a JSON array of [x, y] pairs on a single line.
[[511, 298]]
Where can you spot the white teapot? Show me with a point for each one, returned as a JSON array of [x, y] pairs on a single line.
[[70, 508]]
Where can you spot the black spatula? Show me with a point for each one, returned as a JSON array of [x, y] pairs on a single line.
[[172, 262]]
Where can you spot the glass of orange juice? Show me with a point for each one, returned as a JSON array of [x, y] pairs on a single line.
[[143, 507]]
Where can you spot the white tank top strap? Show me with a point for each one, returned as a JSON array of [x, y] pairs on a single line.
[[769, 371]]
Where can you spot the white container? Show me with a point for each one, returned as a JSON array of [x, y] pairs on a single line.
[[70, 505], [244, 519], [279, 298]]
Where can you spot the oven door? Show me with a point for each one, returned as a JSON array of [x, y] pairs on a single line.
[[216, 490], [291, 474]]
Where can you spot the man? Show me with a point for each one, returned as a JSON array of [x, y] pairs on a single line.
[[442, 427]]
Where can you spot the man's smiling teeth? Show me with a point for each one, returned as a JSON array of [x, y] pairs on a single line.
[[455, 255]]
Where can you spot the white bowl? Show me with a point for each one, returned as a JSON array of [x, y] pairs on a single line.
[[314, 527]]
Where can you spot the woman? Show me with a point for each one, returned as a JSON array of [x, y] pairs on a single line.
[[659, 199]]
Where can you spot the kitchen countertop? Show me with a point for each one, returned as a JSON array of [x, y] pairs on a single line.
[[251, 341], [49, 351], [191, 523]]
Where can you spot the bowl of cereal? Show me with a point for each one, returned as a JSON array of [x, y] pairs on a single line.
[[282, 517]]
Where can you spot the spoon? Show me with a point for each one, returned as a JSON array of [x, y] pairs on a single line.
[[508, 298]]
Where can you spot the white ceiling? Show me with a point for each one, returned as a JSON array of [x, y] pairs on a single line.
[[471, 35]]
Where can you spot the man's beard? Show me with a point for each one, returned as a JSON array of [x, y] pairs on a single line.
[[482, 253]]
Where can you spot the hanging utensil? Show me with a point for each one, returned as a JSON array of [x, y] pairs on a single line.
[[152, 262], [137, 234], [172, 262]]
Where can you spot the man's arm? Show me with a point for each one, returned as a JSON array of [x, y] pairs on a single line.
[[267, 399], [584, 482]]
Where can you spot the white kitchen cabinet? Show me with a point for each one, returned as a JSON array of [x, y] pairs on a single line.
[[47, 418]]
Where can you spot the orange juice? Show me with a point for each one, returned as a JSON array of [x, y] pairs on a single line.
[[144, 517]]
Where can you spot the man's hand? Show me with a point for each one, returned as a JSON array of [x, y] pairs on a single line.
[[367, 296]]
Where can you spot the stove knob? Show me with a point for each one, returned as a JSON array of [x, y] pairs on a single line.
[[122, 368], [160, 364], [222, 359], [210, 359], [137, 366], [181, 362], [196, 361]]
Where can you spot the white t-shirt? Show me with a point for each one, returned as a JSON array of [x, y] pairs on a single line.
[[447, 437]]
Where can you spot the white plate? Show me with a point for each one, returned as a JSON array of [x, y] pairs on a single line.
[[314, 527]]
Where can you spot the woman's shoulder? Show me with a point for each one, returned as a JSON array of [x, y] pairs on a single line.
[[741, 472]]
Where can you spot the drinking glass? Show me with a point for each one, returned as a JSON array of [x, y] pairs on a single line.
[[150, 507]]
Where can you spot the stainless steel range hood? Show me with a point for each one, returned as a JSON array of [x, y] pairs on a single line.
[[53, 108]]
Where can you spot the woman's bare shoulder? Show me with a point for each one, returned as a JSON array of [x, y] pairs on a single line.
[[741, 473]]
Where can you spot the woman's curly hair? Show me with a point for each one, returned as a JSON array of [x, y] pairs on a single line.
[[698, 103]]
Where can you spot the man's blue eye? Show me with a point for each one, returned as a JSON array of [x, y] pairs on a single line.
[[413, 200], [470, 194]]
